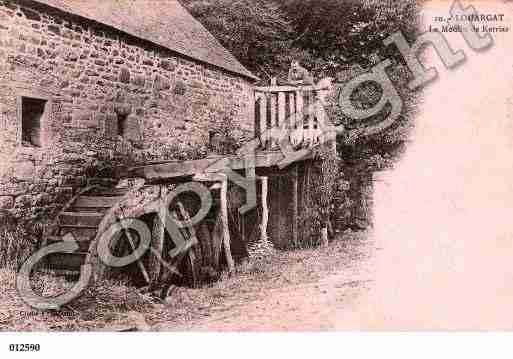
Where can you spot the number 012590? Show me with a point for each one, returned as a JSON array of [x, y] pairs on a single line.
[[24, 347]]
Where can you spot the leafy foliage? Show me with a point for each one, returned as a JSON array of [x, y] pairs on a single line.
[[255, 31], [341, 39], [324, 35]]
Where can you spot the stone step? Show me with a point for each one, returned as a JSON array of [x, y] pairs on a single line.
[[107, 182], [83, 243], [81, 218], [66, 261], [77, 226], [96, 202], [109, 192], [78, 232]]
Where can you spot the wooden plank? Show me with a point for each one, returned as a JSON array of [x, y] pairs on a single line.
[[208, 177], [96, 202]]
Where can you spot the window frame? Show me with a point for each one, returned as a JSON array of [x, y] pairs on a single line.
[[42, 125]]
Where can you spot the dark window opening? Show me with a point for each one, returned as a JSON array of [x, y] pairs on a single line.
[[122, 125], [32, 111]]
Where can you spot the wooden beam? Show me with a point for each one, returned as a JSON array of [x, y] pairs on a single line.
[[176, 169]]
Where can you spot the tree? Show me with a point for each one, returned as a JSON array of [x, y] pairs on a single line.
[[255, 31], [331, 38], [342, 32]]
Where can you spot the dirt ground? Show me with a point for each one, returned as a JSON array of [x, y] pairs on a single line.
[[292, 291]]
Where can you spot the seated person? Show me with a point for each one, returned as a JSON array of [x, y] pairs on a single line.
[[298, 75]]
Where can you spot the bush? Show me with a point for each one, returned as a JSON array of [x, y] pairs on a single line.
[[17, 243]]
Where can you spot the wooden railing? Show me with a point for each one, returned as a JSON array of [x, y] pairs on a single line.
[[289, 113]]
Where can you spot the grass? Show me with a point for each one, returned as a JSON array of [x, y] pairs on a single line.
[[109, 305], [104, 305], [16, 245]]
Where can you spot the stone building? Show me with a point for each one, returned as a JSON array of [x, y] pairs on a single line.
[[86, 83]]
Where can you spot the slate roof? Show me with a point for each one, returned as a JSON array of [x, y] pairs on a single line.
[[164, 22]]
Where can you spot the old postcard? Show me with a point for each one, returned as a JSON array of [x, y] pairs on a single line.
[[255, 165]]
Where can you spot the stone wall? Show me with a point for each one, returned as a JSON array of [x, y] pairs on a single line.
[[95, 79]]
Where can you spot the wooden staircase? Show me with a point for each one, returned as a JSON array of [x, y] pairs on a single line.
[[80, 218]]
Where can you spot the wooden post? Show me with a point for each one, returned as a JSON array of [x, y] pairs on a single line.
[[226, 229], [311, 118], [258, 118], [324, 236], [157, 248], [265, 210], [217, 242], [273, 139], [299, 109], [280, 125], [292, 110], [192, 237], [295, 205], [263, 120], [297, 134], [157, 242], [206, 243], [319, 136], [139, 262]]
